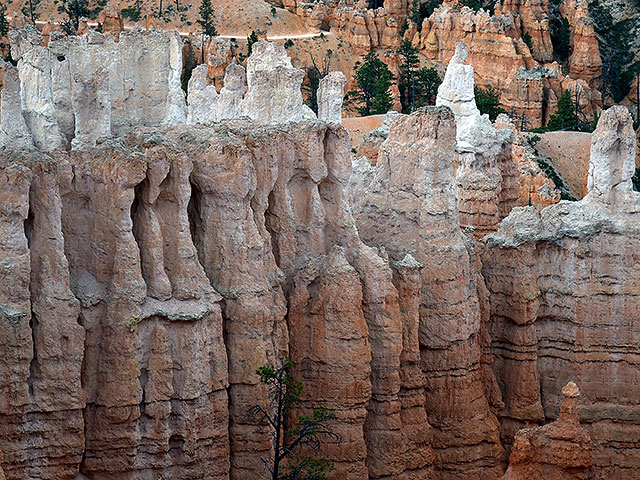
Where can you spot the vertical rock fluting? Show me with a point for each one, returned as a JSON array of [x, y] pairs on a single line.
[[155, 369], [564, 297], [229, 214], [41, 399], [410, 208]]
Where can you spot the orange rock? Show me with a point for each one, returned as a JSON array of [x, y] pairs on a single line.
[[557, 451], [585, 62], [111, 21]]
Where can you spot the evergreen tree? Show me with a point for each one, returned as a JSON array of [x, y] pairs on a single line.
[[315, 74], [564, 118], [487, 102], [30, 10], [373, 80], [284, 394], [74, 11], [134, 12], [251, 39], [407, 81], [427, 81], [560, 31], [206, 18], [4, 24]]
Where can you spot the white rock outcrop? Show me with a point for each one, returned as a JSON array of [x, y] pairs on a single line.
[[203, 98], [486, 176], [613, 151], [475, 132], [330, 97], [12, 125], [82, 88], [273, 94]]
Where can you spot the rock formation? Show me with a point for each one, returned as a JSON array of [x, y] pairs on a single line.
[[486, 174], [530, 17], [155, 256], [559, 450], [563, 289], [73, 91], [585, 62], [330, 97], [527, 81], [410, 208], [536, 188]]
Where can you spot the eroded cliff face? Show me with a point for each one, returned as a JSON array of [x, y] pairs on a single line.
[[559, 450], [410, 209], [526, 78], [486, 175], [563, 285], [150, 269]]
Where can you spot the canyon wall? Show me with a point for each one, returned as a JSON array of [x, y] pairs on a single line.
[[156, 256], [563, 285]]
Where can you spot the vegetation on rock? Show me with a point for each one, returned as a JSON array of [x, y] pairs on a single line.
[[417, 87], [206, 18], [373, 79], [292, 444], [487, 102]]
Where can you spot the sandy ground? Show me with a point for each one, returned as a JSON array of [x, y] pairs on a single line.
[[357, 127], [569, 153], [233, 18]]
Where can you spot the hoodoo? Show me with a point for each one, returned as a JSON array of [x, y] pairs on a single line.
[[158, 247]]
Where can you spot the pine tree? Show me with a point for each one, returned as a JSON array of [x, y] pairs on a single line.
[[206, 18], [487, 102], [407, 81], [74, 11], [373, 80], [415, 13], [564, 118], [251, 39], [427, 83], [291, 444], [30, 10], [4, 24]]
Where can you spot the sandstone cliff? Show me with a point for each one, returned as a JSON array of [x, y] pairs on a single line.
[[559, 450], [410, 209], [486, 175], [563, 285], [154, 260]]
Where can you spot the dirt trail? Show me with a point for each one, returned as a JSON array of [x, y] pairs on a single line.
[[186, 34]]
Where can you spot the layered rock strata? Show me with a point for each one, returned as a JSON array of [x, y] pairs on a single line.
[[535, 187], [525, 77], [559, 450], [154, 271], [410, 208], [486, 175], [564, 296]]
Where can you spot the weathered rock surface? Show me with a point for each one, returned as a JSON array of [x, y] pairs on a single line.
[[585, 62], [559, 450], [410, 208], [330, 97], [150, 269], [526, 80], [486, 175], [564, 296], [536, 188]]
